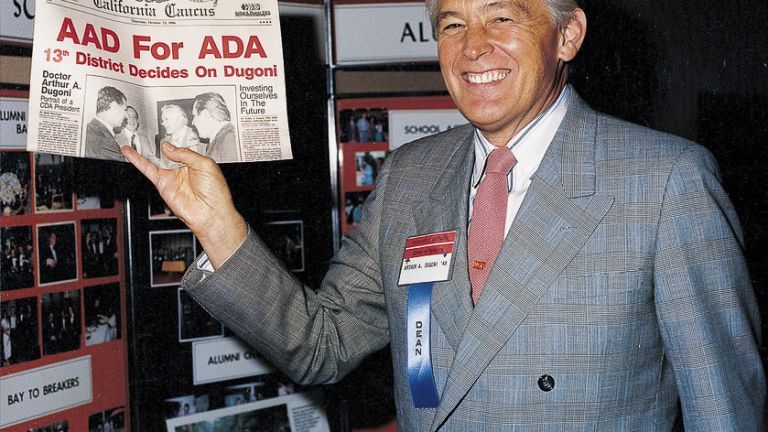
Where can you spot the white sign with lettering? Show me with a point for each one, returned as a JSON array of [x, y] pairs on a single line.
[[16, 20], [45, 390], [408, 125], [383, 32], [224, 359], [13, 123]]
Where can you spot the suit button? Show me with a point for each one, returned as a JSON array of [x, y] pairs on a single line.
[[546, 383]]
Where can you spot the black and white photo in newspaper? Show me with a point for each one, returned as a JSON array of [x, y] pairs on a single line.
[[199, 74]]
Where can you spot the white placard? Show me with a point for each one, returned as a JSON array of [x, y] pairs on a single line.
[[45, 390], [408, 125], [16, 20], [224, 359], [384, 32], [13, 123]]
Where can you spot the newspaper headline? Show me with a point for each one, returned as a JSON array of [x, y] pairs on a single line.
[[201, 74]]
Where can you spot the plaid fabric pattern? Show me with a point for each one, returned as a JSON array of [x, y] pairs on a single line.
[[622, 279]]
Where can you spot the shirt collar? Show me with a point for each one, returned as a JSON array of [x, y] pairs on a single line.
[[179, 136], [528, 146]]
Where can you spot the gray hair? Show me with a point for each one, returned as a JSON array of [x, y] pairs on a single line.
[[560, 10], [173, 108], [214, 103]]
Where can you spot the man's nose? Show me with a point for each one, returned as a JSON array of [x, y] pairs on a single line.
[[476, 42]]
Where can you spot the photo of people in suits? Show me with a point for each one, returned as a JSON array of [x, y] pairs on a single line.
[[181, 406], [214, 123], [56, 252], [15, 183], [364, 125], [171, 252], [100, 133], [273, 419], [131, 134], [19, 331], [102, 314], [175, 126], [53, 183], [196, 323], [61, 323], [111, 420], [17, 265], [250, 392], [98, 247]]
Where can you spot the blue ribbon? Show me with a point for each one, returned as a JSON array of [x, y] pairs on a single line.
[[420, 376]]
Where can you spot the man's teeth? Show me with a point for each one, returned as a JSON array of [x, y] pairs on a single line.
[[486, 77]]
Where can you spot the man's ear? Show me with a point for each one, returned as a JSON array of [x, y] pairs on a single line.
[[572, 35]]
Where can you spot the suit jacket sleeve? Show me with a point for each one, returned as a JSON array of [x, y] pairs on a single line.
[[313, 336], [705, 303], [225, 148]]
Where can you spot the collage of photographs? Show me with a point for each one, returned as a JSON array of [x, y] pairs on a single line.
[[60, 284], [363, 135], [260, 388], [172, 251], [111, 420], [368, 129]]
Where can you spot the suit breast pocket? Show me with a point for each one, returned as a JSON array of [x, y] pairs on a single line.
[[602, 288]]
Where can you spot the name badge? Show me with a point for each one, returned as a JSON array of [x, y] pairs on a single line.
[[428, 258]]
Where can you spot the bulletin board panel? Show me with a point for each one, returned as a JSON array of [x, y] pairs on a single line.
[[63, 360], [369, 128]]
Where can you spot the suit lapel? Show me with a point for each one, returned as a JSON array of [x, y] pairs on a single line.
[[559, 213], [444, 208]]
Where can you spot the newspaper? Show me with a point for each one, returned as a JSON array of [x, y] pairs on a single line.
[[203, 74], [298, 412]]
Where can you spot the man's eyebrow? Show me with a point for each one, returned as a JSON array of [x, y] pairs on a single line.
[[446, 14], [513, 5], [510, 5]]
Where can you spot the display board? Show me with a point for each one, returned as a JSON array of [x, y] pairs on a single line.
[[16, 18], [188, 371], [369, 128], [13, 119], [63, 359]]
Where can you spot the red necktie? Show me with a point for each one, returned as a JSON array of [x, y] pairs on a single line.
[[486, 232]]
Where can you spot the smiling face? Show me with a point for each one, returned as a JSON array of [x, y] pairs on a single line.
[[503, 60], [131, 119]]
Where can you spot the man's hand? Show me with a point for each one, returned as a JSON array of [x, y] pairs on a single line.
[[198, 194]]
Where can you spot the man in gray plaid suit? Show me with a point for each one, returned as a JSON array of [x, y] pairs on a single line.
[[620, 300]]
